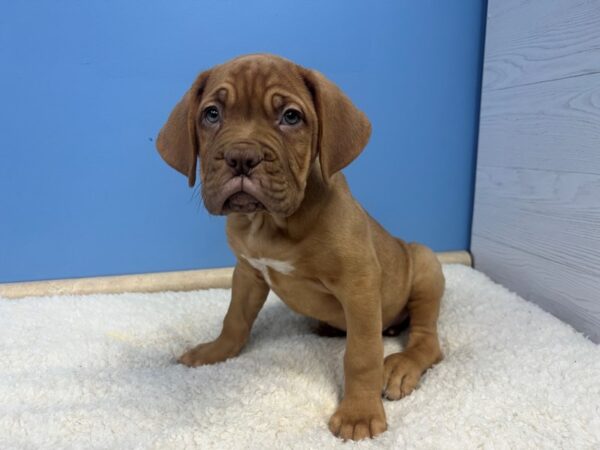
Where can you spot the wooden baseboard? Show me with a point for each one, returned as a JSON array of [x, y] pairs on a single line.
[[186, 280]]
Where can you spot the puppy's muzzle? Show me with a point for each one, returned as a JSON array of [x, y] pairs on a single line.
[[242, 160], [242, 193]]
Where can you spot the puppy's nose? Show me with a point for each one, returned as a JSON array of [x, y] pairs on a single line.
[[242, 160]]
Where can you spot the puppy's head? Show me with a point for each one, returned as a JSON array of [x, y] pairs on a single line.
[[257, 124]]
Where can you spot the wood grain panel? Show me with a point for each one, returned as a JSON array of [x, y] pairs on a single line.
[[548, 126], [536, 223], [560, 290], [532, 41], [553, 214]]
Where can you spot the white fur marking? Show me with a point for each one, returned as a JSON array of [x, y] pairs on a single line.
[[264, 264]]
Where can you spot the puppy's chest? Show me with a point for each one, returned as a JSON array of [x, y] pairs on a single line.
[[269, 267], [269, 253], [299, 291], [287, 272]]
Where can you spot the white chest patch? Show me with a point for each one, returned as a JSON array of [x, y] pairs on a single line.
[[264, 264]]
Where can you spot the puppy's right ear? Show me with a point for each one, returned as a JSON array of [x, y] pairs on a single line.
[[177, 141]]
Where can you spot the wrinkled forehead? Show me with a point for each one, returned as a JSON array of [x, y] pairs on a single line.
[[258, 81]]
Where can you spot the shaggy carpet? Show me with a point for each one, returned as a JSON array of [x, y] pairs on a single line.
[[99, 372]]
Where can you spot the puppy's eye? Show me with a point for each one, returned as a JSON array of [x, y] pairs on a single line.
[[211, 114], [291, 117]]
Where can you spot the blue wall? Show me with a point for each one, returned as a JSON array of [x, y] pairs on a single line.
[[85, 87]]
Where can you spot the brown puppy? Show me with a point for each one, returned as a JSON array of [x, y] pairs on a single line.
[[272, 138]]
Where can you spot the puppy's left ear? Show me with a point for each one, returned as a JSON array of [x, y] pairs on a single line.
[[177, 141], [344, 130]]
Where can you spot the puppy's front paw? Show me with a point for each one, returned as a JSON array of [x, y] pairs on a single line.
[[358, 419], [207, 353]]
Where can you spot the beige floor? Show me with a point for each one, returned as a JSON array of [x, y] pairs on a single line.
[[186, 280]]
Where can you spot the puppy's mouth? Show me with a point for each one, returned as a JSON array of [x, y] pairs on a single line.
[[242, 202], [241, 195]]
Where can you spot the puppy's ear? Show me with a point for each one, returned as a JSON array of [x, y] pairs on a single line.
[[177, 141], [344, 130]]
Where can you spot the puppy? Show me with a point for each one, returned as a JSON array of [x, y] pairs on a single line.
[[271, 138]]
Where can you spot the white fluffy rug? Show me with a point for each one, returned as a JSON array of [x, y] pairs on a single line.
[[99, 372]]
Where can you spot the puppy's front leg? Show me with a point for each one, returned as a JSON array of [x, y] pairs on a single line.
[[361, 414], [248, 294]]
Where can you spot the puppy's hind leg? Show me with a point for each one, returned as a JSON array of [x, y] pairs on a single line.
[[403, 370]]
